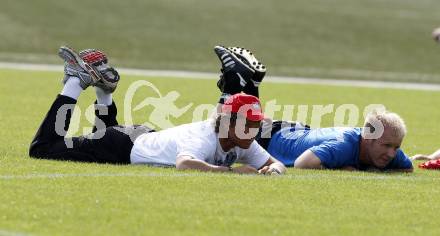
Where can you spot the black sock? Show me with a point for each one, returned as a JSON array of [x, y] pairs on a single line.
[[251, 90], [229, 84]]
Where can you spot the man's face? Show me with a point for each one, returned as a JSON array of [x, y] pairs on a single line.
[[383, 150], [243, 133]]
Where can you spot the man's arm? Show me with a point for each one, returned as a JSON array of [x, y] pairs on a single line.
[[374, 169], [308, 160], [433, 156], [409, 170], [348, 168], [189, 163], [351, 168]]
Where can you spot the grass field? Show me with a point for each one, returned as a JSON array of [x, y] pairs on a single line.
[[62, 198], [387, 40], [374, 39]]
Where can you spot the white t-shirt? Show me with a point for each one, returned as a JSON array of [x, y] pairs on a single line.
[[198, 140]]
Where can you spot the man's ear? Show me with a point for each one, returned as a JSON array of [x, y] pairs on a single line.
[[224, 125]]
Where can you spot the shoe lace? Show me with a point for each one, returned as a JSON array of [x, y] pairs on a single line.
[[93, 57]]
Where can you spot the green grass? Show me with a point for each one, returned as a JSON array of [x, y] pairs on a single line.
[[319, 38], [40, 197]]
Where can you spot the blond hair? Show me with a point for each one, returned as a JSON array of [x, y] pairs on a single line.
[[389, 120]]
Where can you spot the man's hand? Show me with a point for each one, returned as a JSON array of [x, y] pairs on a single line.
[[275, 168], [244, 169], [269, 171], [436, 35]]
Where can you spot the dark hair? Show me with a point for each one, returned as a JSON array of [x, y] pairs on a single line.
[[221, 118]]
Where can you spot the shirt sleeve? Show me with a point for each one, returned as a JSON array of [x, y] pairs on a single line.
[[335, 154], [401, 161], [254, 156]]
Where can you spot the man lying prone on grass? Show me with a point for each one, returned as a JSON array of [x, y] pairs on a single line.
[[376, 146], [212, 145]]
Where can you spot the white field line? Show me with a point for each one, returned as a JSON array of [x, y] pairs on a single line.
[[268, 79], [384, 176], [12, 233]]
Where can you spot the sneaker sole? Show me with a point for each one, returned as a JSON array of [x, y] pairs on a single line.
[[226, 61], [248, 56], [70, 56]]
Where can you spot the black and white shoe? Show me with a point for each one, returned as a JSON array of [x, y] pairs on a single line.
[[235, 72], [249, 58]]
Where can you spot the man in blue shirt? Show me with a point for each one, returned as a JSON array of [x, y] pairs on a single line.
[[376, 146], [338, 148]]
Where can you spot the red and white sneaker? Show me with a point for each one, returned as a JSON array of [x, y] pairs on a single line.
[[109, 76], [91, 67], [432, 165]]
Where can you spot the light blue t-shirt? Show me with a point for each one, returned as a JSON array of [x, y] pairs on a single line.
[[336, 147]]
